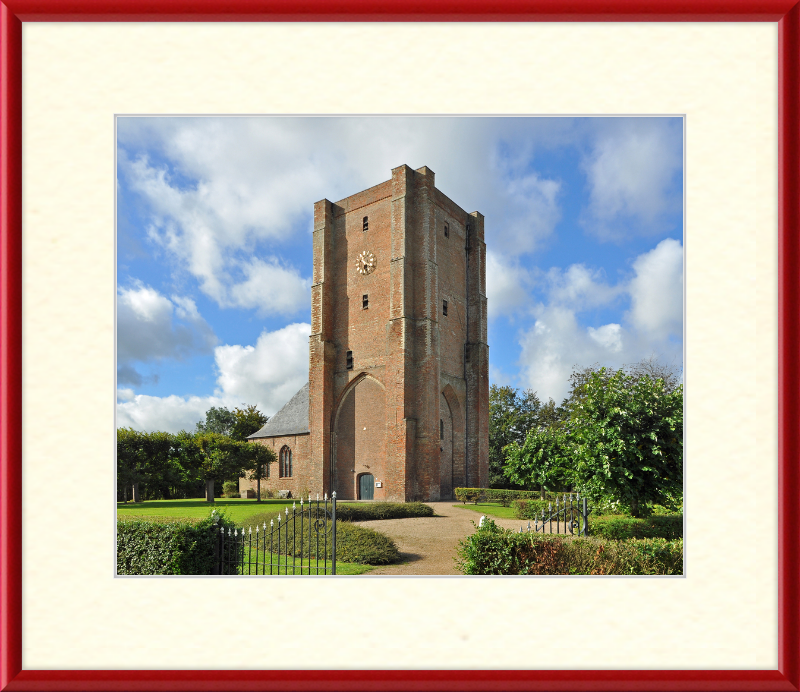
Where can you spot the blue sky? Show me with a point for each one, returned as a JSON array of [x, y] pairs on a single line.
[[584, 235]]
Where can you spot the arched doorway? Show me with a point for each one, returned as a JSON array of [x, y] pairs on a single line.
[[366, 486], [360, 438], [446, 449]]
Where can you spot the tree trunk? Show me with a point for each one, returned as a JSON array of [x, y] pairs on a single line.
[[258, 491], [210, 491], [541, 492], [635, 507], [136, 496]]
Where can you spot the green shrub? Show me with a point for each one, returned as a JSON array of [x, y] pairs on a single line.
[[469, 494], [364, 546], [230, 489], [624, 527], [382, 510], [492, 550], [504, 497], [353, 543], [166, 546]]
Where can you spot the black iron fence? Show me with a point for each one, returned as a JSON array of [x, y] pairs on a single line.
[[302, 541], [569, 516]]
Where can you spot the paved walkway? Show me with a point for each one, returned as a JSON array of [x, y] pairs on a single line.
[[428, 544]]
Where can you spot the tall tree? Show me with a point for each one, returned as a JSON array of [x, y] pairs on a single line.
[[257, 458], [218, 458], [542, 461], [218, 420], [246, 421], [627, 437], [511, 415]]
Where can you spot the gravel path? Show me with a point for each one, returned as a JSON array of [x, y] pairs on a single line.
[[428, 544]]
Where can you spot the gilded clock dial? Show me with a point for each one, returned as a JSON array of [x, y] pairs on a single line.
[[365, 263]]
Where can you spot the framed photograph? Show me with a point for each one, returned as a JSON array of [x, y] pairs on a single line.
[[729, 71]]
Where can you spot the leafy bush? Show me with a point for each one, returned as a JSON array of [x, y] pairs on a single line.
[[531, 509], [364, 546], [622, 527], [163, 546], [382, 510], [469, 494], [504, 497], [492, 550], [230, 489]]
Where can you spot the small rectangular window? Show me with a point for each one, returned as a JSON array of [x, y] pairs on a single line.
[[349, 360], [365, 301], [446, 231], [444, 307], [366, 223]]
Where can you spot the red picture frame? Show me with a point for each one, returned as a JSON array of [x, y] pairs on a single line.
[[14, 12]]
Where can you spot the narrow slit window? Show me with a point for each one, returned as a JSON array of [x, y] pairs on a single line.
[[366, 223], [441, 429], [446, 231], [349, 360], [466, 352], [444, 308], [365, 301]]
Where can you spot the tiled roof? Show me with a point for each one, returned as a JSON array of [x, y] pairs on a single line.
[[292, 419]]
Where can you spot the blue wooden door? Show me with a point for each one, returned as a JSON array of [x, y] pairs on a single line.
[[366, 486]]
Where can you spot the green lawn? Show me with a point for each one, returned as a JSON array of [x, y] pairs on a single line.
[[236, 509], [492, 509]]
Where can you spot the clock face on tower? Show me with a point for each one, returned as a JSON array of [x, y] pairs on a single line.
[[365, 263]]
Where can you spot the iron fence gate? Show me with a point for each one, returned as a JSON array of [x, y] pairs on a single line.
[[571, 514], [302, 541]]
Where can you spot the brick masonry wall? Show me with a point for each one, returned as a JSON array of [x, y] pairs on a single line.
[[409, 372], [304, 476]]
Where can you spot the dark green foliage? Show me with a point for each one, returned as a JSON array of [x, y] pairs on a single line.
[[511, 414], [382, 510], [469, 494], [492, 550], [621, 527], [246, 421], [218, 420], [230, 489], [364, 546], [543, 460], [626, 433], [162, 546]]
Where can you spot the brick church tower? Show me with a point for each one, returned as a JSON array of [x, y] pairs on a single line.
[[398, 374]]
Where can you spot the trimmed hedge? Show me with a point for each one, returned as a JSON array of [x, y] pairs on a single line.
[[493, 550], [532, 509], [504, 497], [163, 546], [382, 510], [623, 527]]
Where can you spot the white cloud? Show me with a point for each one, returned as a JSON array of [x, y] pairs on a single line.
[[152, 327], [270, 372], [657, 291], [632, 171], [218, 190], [267, 375], [608, 337], [507, 285], [557, 342], [580, 287], [271, 288], [170, 413]]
